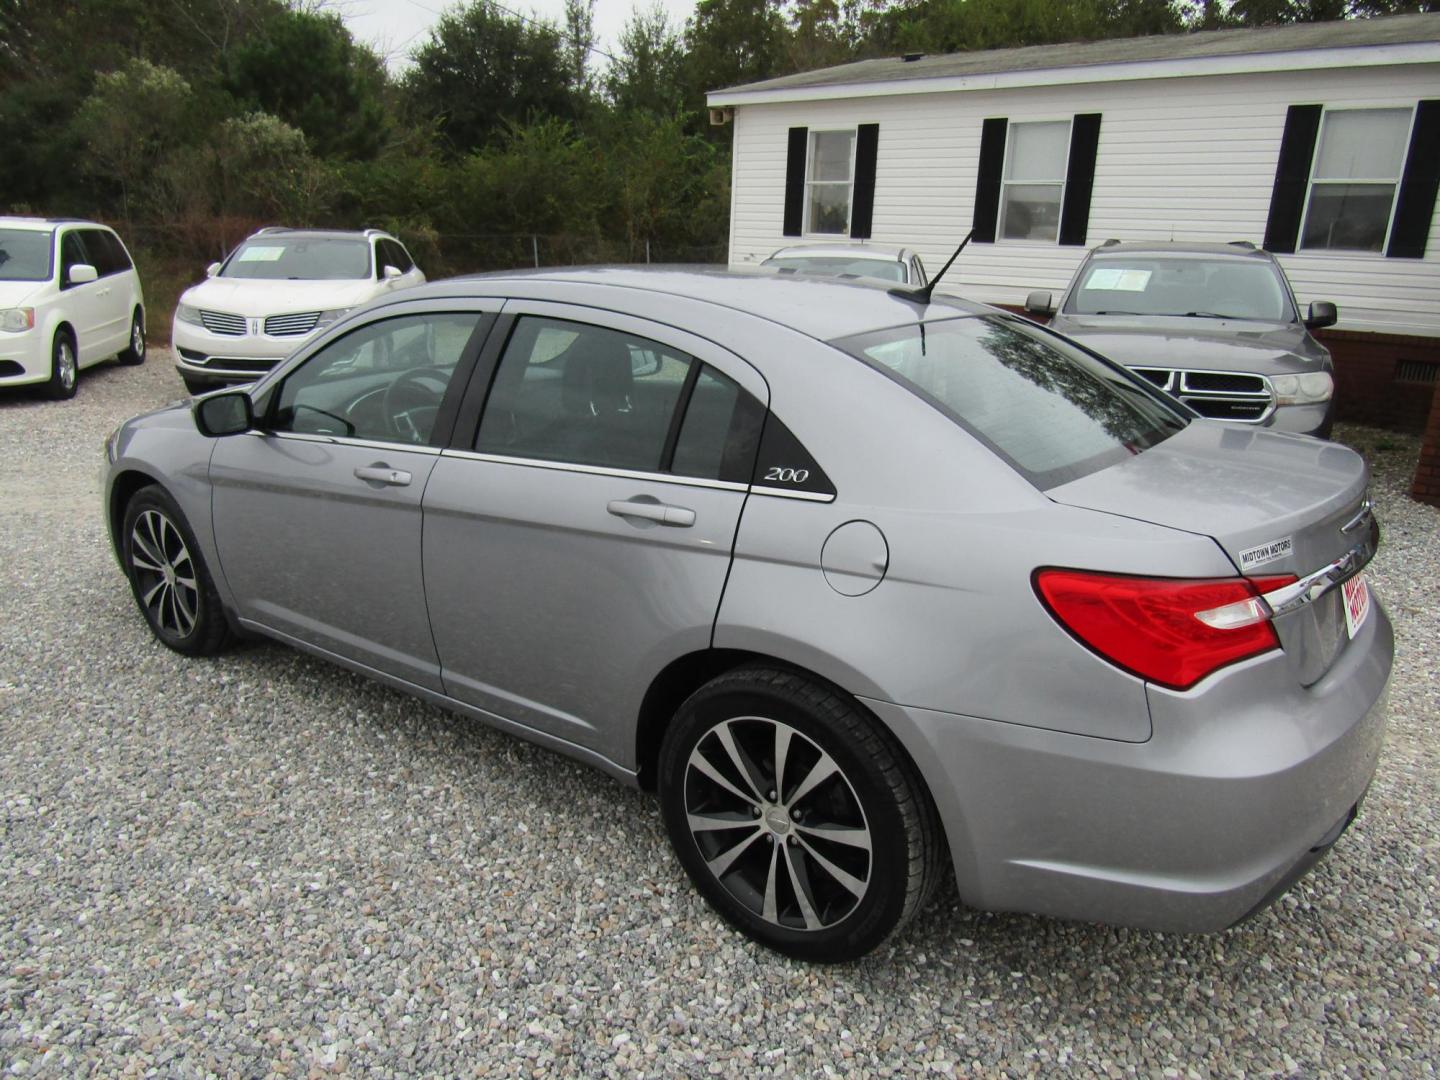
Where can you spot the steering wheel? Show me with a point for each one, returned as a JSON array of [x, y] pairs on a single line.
[[412, 401]]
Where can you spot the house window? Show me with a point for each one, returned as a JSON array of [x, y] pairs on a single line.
[[828, 182], [1034, 183], [1359, 158]]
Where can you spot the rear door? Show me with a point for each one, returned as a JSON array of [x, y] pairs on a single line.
[[580, 540], [113, 295]]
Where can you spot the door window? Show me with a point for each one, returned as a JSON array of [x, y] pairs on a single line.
[[72, 253], [392, 254], [384, 381], [720, 430], [568, 391]]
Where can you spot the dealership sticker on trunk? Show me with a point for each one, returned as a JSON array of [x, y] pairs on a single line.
[[1357, 603], [1265, 553]]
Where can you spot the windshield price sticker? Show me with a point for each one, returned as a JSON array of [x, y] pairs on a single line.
[[255, 253], [1357, 603], [1266, 553], [1116, 280]]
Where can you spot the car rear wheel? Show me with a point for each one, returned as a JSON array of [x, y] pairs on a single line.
[[64, 367], [134, 353], [168, 576], [796, 815]]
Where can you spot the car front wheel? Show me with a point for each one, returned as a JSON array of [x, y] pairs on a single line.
[[64, 367], [168, 576], [796, 815]]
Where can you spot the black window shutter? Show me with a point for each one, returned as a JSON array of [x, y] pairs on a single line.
[[1416, 205], [795, 181], [1079, 178], [987, 179], [862, 208], [1292, 178]]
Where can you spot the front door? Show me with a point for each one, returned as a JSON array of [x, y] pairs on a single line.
[[583, 540], [317, 517], [84, 302]]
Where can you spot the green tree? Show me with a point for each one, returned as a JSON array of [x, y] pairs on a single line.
[[306, 69], [482, 69], [130, 119], [733, 41], [648, 73]]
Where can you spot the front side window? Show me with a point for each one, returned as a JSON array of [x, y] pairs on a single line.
[[1053, 412], [309, 258], [1358, 161], [1034, 180], [383, 382], [828, 182], [25, 255], [72, 254], [1226, 288]]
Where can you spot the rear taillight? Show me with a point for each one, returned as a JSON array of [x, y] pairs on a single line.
[[1173, 631]]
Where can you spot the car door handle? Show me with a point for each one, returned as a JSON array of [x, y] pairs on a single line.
[[383, 474], [678, 516]]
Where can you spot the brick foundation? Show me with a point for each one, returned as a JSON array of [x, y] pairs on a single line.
[[1381, 379], [1426, 486]]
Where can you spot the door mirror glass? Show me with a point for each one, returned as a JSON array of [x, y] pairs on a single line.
[[212, 269], [1322, 314], [81, 273], [1040, 303], [229, 413]]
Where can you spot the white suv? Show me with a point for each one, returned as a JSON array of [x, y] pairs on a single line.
[[69, 298], [273, 292]]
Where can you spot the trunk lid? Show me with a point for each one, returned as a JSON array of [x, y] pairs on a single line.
[[1275, 503]]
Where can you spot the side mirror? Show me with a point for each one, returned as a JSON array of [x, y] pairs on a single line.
[[1040, 303], [229, 413], [81, 273], [212, 269], [1322, 314], [391, 273]]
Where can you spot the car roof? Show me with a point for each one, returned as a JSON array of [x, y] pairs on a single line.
[[1240, 249], [878, 252], [319, 234], [820, 307], [45, 224]]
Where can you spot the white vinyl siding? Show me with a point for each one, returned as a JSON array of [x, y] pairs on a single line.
[[1188, 159]]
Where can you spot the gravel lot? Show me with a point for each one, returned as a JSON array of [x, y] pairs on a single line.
[[264, 865]]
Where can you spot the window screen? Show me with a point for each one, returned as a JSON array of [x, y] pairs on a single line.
[[1034, 180], [1358, 162]]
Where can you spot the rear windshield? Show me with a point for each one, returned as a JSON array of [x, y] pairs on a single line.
[[1052, 411], [310, 258], [24, 255], [1203, 288], [831, 264]]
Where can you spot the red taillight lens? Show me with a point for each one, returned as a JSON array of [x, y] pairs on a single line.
[[1173, 631]]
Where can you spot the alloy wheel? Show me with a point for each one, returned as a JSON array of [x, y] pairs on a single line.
[[164, 574], [65, 363], [778, 823]]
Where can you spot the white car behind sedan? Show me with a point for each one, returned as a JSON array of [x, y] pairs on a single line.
[[274, 292]]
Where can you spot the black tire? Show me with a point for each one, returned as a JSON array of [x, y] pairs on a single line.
[[134, 353], [181, 606], [773, 874], [64, 367]]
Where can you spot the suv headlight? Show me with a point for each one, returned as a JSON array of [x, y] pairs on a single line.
[[17, 319], [1307, 389], [328, 317], [186, 313]]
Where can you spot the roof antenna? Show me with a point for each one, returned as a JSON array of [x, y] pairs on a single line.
[[922, 295]]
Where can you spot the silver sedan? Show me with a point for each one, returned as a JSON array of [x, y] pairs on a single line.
[[868, 585]]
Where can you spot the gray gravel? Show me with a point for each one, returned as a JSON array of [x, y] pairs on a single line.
[[264, 865]]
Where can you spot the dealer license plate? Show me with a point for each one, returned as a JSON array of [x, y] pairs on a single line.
[[1357, 603]]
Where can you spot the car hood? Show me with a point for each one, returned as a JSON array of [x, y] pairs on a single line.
[[242, 296], [1198, 344], [15, 293]]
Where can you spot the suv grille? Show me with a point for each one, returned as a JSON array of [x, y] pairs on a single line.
[[1239, 396], [222, 322], [291, 325]]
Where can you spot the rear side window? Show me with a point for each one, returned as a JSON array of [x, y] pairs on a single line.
[[1051, 411], [104, 252], [719, 433]]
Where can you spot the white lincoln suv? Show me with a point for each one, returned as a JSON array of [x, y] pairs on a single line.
[[274, 292], [69, 298]]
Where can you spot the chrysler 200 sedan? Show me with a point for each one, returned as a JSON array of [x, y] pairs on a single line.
[[866, 585]]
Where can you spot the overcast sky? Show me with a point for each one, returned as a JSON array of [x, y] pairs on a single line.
[[394, 27]]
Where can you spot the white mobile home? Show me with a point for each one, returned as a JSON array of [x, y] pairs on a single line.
[[1320, 141]]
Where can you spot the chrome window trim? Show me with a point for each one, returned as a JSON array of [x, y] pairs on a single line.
[[342, 440], [1312, 586]]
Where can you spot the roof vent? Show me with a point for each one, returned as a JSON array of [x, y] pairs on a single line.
[[911, 57]]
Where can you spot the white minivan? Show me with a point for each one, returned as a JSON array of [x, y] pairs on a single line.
[[69, 298]]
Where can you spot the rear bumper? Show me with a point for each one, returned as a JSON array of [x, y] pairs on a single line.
[[1221, 810]]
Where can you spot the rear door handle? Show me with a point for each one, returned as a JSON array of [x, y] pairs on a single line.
[[383, 474], [678, 516]]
